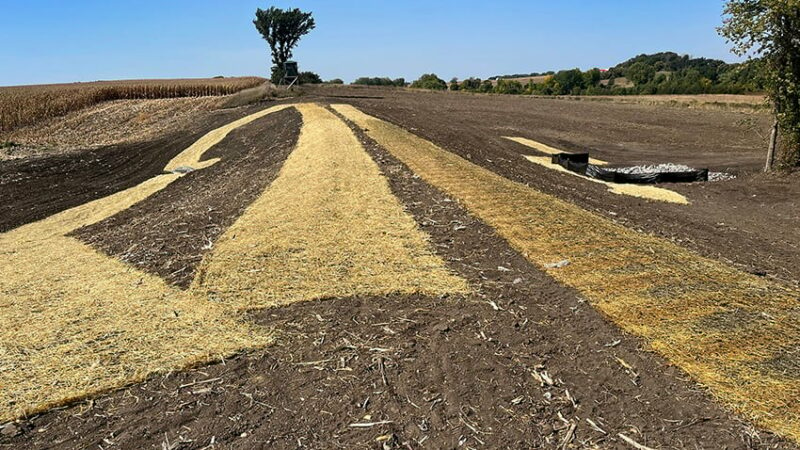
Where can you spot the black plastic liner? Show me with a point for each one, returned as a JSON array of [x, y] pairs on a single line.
[[579, 163], [575, 162]]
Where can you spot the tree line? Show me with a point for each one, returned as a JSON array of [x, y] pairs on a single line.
[[660, 73]]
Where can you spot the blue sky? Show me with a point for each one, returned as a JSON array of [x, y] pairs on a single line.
[[46, 41]]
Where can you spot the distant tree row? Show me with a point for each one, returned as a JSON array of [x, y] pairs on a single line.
[[380, 81], [659, 73], [662, 73], [576, 82]]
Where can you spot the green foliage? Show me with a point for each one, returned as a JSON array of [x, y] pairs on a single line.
[[429, 81], [335, 81], [8, 144], [641, 73], [669, 62], [567, 82], [508, 87], [374, 81], [660, 73], [282, 29], [592, 77], [769, 29], [746, 77], [471, 84], [486, 87], [380, 81], [522, 75], [276, 74], [308, 78], [454, 86]]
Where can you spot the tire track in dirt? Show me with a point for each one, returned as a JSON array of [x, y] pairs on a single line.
[[649, 286]]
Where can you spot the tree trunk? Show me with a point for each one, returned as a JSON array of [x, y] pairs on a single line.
[[773, 141]]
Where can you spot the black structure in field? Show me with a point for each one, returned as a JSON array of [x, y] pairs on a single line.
[[579, 163], [290, 73]]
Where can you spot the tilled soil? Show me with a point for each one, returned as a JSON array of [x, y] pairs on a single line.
[[168, 233], [522, 363], [749, 222], [37, 187]]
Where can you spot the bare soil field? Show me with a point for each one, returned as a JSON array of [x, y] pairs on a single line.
[[382, 260], [701, 101]]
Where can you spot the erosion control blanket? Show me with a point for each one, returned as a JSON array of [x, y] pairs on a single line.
[[579, 162]]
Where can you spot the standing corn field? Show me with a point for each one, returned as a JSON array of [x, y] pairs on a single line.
[[25, 105]]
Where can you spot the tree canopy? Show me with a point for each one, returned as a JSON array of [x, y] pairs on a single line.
[[282, 29], [430, 81], [769, 29], [380, 81], [641, 73]]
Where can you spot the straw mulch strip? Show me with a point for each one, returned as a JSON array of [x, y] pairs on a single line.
[[75, 322], [544, 148], [691, 309], [328, 226], [633, 190]]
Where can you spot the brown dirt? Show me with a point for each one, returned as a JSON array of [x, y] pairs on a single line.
[[703, 101], [109, 123], [749, 222], [445, 371], [169, 232], [34, 188]]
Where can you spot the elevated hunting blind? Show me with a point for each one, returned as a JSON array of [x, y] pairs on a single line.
[[290, 73]]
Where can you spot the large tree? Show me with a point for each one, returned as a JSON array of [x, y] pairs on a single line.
[[282, 29], [770, 29]]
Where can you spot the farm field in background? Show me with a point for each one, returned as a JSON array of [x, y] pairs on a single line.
[[719, 101], [363, 266], [25, 105]]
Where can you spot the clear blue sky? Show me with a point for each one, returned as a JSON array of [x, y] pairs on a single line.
[[47, 41]]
